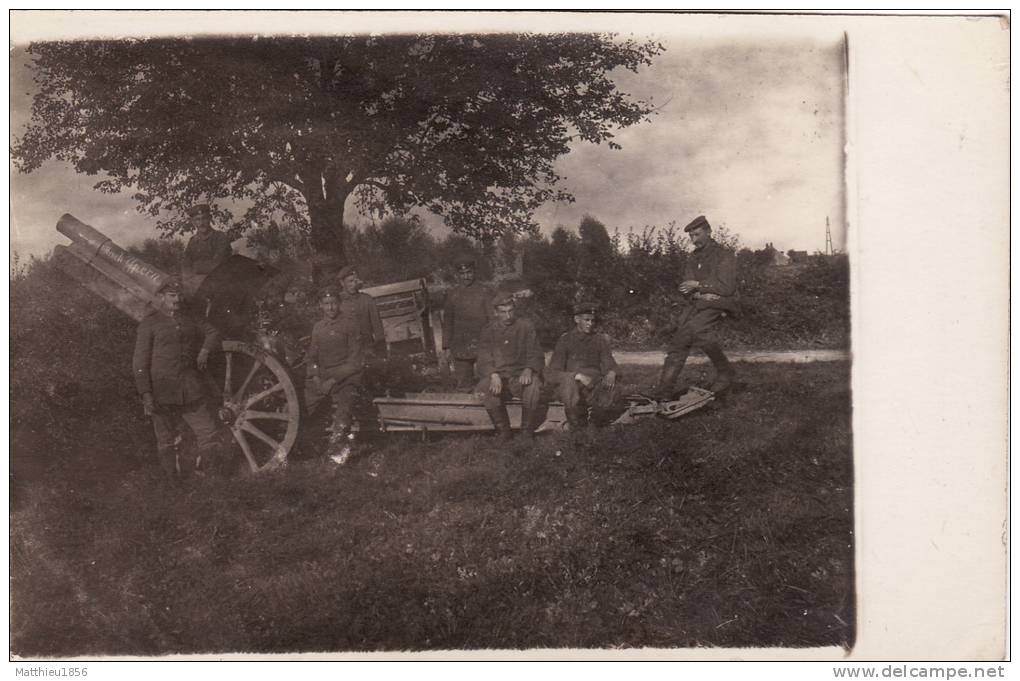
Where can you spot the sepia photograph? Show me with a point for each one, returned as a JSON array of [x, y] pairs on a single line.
[[433, 332]]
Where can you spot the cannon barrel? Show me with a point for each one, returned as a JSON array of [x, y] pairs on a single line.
[[93, 246], [95, 261]]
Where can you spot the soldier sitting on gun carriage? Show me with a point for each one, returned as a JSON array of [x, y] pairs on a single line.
[[510, 363], [170, 351], [335, 363], [206, 250], [584, 370]]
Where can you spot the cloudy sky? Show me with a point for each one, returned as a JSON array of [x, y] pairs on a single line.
[[749, 131]]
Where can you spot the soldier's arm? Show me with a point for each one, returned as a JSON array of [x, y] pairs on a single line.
[[534, 357], [606, 358], [723, 281], [141, 362], [486, 362], [355, 361], [312, 358], [225, 250], [212, 339], [558, 361]]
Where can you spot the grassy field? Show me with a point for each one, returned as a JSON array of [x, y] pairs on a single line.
[[730, 527]]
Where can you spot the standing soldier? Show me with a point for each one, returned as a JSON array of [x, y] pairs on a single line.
[[205, 251], [360, 307], [510, 363], [586, 372], [335, 364], [170, 350], [467, 311], [710, 292]]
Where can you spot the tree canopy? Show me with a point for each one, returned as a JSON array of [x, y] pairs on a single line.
[[467, 127]]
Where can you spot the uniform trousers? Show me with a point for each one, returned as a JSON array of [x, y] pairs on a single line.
[[166, 423], [530, 394], [597, 396]]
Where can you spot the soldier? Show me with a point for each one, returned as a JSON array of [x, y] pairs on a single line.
[[360, 307], [205, 251], [467, 311], [335, 364], [710, 291], [170, 350], [510, 363], [583, 366]]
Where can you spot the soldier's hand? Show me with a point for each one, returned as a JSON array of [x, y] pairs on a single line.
[[610, 378], [526, 376], [325, 385], [584, 380], [496, 384], [688, 286], [148, 404], [203, 359]]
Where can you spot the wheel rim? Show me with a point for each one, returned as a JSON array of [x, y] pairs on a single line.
[[259, 403]]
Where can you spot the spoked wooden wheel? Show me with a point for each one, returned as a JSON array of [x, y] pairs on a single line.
[[259, 403]]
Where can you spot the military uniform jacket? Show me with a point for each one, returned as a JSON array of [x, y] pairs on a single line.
[[467, 311], [509, 348], [336, 349], [166, 349], [714, 267], [360, 307], [577, 352], [205, 252]]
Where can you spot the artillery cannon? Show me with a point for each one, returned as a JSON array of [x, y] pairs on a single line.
[[256, 383]]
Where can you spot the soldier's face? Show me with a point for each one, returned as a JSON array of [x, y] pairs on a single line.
[[465, 275], [700, 236], [585, 322], [172, 301], [200, 221], [505, 313], [330, 307], [350, 283]]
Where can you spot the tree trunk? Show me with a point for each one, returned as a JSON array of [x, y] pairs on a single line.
[[327, 226]]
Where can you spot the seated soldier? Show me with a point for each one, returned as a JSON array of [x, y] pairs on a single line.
[[510, 363], [585, 372], [335, 363], [207, 249]]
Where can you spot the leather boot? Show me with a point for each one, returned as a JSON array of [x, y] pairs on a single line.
[[501, 420], [723, 368], [671, 370]]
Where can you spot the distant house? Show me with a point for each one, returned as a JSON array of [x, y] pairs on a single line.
[[797, 256]]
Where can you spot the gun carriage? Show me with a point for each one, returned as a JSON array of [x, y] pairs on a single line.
[[257, 377]]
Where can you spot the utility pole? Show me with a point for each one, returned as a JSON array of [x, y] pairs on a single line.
[[828, 237]]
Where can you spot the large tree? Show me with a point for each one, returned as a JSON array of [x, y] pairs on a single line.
[[465, 126]]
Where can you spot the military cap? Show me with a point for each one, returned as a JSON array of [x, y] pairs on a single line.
[[328, 292], [699, 221], [173, 284], [586, 307], [465, 260], [199, 209], [346, 272]]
